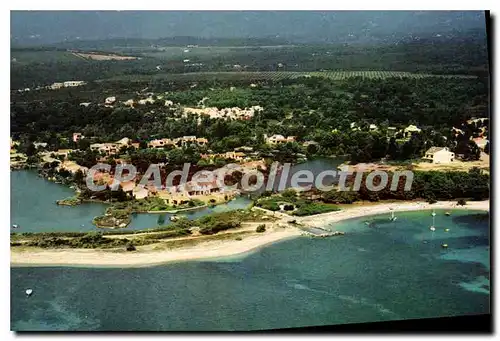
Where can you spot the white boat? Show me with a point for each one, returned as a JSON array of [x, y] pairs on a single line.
[[14, 226], [432, 228], [393, 217], [29, 292], [174, 218]]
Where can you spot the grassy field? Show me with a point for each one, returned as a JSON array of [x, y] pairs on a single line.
[[27, 57], [278, 75]]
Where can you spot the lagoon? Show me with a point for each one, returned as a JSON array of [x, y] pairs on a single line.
[[34, 209]]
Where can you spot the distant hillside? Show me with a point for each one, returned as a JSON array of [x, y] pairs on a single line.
[[47, 27]]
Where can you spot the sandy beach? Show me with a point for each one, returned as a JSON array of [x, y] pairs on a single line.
[[362, 210], [216, 248], [104, 258]]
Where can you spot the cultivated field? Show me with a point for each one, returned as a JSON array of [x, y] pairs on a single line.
[[97, 56], [28, 57], [279, 75]]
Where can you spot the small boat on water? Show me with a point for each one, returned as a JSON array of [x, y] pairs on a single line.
[[15, 226], [29, 292], [174, 218], [433, 213], [447, 213], [393, 217], [432, 228], [446, 230], [444, 246]]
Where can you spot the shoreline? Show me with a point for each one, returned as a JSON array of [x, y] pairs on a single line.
[[207, 250], [323, 219]]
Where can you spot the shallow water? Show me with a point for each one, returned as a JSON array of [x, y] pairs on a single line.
[[393, 270], [34, 209]]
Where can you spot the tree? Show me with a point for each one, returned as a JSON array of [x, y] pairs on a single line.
[[30, 150], [78, 177], [261, 228], [161, 219]]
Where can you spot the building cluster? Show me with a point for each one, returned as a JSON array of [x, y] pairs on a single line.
[[205, 187], [238, 156], [178, 142], [113, 148], [67, 84], [234, 113]]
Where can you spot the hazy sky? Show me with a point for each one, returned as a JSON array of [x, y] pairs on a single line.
[[54, 26]]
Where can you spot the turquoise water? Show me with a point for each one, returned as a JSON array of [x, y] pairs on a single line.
[[33, 207], [389, 271]]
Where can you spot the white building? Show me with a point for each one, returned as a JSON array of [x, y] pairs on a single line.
[[278, 139], [129, 102], [410, 130], [73, 83], [439, 155], [110, 100], [146, 100], [56, 86]]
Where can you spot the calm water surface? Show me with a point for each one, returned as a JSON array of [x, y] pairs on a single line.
[[388, 271], [33, 207]]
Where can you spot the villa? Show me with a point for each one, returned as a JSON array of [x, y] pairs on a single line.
[[73, 83], [279, 139], [310, 143], [56, 86], [77, 137], [439, 155], [480, 141], [63, 152], [40, 144], [238, 156], [72, 167], [410, 130], [139, 192], [161, 143], [110, 100], [124, 141], [225, 113], [391, 131], [129, 103], [181, 141], [149, 100], [481, 120], [106, 148]]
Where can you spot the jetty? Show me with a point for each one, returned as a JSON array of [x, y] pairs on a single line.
[[319, 232]]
